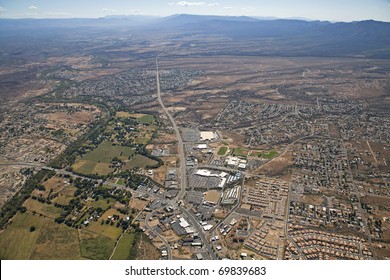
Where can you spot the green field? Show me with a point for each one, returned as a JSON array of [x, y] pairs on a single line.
[[269, 155], [94, 246], [121, 182], [48, 240], [110, 231], [222, 151], [146, 119], [124, 246], [139, 161], [98, 161], [106, 151], [242, 152], [17, 242], [102, 203]]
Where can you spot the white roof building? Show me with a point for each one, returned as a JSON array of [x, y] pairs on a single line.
[[207, 227], [183, 223], [207, 135]]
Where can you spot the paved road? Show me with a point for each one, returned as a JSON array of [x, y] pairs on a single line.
[[169, 251], [357, 193], [183, 171], [196, 225], [299, 249], [232, 211]]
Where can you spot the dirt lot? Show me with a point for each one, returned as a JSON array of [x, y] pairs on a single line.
[[137, 204], [146, 250]]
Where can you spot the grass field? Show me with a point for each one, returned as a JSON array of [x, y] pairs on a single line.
[[142, 118], [269, 154], [63, 199], [17, 242], [49, 240], [106, 151], [139, 161], [121, 114], [255, 154], [65, 195], [56, 242], [121, 182], [94, 246], [48, 210], [222, 151], [98, 161], [124, 246], [68, 191], [55, 184], [242, 152], [102, 203], [146, 119], [111, 212], [109, 231]]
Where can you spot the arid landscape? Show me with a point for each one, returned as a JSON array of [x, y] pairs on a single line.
[[176, 141]]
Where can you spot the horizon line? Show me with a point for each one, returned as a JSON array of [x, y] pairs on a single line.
[[265, 18]]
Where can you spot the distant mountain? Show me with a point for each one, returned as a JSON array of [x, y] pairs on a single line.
[[184, 19], [363, 38], [288, 37]]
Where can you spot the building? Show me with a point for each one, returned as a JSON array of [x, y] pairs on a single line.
[[208, 135], [212, 197]]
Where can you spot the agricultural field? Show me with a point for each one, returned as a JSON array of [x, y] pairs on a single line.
[[94, 246], [36, 237], [124, 247], [57, 242], [18, 239], [47, 210], [99, 160], [107, 230], [117, 150], [143, 118], [139, 161]]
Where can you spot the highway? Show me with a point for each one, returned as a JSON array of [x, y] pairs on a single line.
[[183, 168], [183, 171]]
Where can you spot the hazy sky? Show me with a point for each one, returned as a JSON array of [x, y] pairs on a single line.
[[333, 10]]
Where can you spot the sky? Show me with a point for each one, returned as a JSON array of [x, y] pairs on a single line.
[[332, 10]]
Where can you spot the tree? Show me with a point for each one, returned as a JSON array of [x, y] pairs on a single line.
[[32, 228]]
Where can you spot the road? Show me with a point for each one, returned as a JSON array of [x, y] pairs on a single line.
[[169, 251], [299, 249], [372, 153], [183, 168], [231, 212], [202, 236], [183, 171], [357, 194]]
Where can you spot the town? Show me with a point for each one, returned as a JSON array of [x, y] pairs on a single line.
[[198, 157]]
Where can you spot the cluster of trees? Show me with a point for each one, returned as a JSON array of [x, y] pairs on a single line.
[[69, 155], [15, 204]]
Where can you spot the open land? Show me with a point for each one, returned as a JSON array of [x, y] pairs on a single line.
[[194, 147]]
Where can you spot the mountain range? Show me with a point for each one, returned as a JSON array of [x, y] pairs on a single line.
[[356, 39]]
